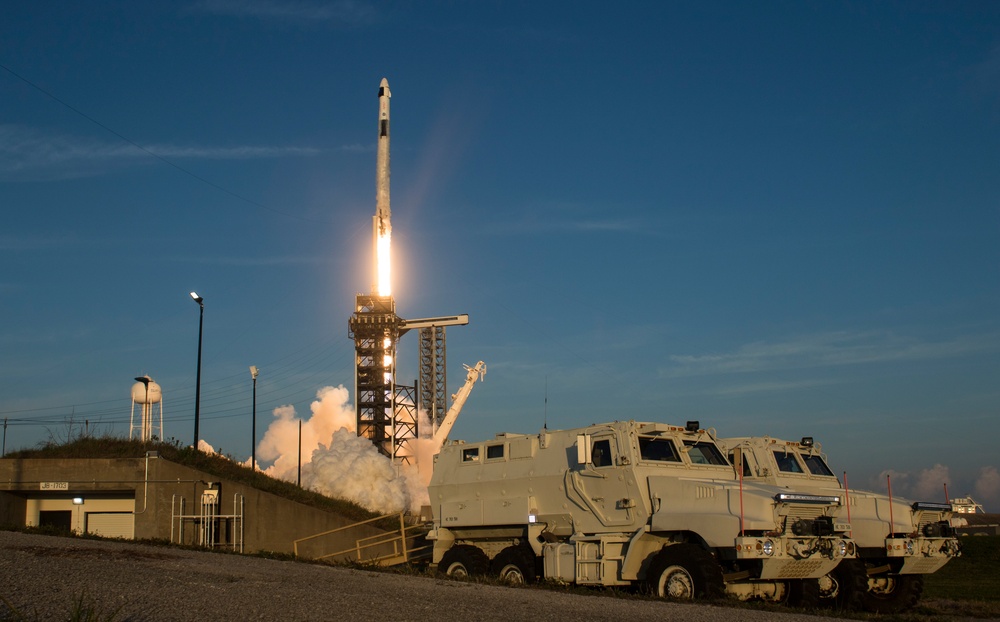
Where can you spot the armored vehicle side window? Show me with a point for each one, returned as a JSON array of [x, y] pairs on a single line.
[[470, 455], [816, 465], [701, 452], [787, 462], [601, 453], [494, 451], [658, 449], [746, 465]]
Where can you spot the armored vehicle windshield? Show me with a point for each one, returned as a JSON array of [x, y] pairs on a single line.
[[703, 452], [656, 449]]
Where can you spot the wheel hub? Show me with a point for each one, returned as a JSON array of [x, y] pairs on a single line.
[[676, 582], [458, 571], [512, 574]]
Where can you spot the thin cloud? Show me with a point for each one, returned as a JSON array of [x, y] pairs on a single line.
[[605, 225], [25, 243], [771, 387], [827, 350], [276, 260], [343, 12], [231, 153], [563, 220], [29, 154]]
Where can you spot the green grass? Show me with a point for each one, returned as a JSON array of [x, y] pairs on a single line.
[[974, 576]]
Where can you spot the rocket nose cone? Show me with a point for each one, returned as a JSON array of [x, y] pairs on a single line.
[[384, 83]]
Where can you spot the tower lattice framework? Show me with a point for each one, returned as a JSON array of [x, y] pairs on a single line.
[[433, 375], [383, 416]]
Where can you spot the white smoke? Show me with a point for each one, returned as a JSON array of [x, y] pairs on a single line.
[[988, 486], [330, 411], [898, 480], [352, 468], [338, 463], [930, 483], [926, 485], [204, 447]]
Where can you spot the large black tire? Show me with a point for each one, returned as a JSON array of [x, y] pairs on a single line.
[[685, 572], [803, 593], [893, 593], [515, 565], [845, 587], [463, 561]]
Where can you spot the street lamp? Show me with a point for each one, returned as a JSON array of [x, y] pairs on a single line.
[[253, 445], [197, 386]]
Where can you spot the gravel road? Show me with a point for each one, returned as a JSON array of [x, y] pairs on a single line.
[[42, 577]]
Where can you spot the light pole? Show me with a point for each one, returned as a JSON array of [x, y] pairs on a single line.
[[197, 386], [253, 445]]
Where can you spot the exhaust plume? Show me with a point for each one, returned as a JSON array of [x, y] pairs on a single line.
[[338, 463]]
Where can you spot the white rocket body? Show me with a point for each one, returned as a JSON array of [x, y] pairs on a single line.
[[382, 211]]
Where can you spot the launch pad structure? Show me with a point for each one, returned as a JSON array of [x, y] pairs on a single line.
[[387, 412]]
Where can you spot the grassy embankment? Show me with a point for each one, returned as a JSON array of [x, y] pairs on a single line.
[[215, 464], [968, 585]]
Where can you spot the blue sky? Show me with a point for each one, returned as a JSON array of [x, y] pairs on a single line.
[[776, 217]]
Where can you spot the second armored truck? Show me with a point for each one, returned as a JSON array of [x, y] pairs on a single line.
[[898, 541], [629, 503]]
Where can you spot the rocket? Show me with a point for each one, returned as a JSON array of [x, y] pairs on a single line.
[[382, 211]]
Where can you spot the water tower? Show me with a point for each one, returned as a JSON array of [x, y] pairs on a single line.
[[147, 394]]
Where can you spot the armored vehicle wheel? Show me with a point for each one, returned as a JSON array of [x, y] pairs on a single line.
[[463, 561], [685, 572], [803, 593], [844, 588], [515, 565], [893, 593]]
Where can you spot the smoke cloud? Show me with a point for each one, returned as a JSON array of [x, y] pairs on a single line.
[[927, 485], [338, 463], [987, 486], [930, 483]]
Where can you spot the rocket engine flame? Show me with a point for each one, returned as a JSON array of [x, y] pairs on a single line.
[[384, 287]]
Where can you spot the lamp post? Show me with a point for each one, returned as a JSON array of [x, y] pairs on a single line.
[[253, 445], [197, 386]]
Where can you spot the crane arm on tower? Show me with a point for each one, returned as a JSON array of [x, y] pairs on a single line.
[[474, 373]]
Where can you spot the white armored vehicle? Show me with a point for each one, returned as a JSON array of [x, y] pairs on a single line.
[[898, 541], [630, 503]]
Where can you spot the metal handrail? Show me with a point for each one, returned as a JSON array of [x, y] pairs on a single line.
[[397, 538]]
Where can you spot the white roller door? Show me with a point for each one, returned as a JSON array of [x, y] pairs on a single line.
[[111, 524]]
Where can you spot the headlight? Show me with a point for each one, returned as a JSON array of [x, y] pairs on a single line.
[[934, 507], [768, 547], [794, 497], [842, 548], [909, 547]]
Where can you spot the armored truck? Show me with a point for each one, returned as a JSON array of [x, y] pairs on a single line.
[[630, 503], [898, 541]]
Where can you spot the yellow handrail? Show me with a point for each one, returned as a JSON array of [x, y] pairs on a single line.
[[397, 539]]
